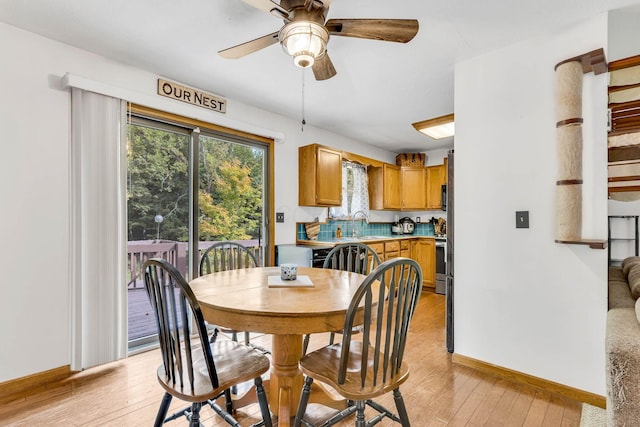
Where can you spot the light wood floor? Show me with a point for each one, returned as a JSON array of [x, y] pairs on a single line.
[[437, 393]]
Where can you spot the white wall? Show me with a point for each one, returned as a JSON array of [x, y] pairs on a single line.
[[624, 33], [436, 157], [522, 301], [34, 172]]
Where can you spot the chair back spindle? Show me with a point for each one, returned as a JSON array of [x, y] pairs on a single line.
[[353, 257], [226, 255]]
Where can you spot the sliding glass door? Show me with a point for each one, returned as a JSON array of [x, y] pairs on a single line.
[[231, 193], [187, 188]]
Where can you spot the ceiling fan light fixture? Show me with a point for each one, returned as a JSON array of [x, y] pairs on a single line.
[[305, 41], [437, 128]]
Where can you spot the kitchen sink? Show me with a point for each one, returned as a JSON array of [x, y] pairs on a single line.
[[374, 237]]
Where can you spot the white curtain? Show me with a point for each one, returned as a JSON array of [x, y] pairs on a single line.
[[98, 229], [355, 191]]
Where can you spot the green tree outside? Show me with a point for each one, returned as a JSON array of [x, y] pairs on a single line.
[[230, 194]]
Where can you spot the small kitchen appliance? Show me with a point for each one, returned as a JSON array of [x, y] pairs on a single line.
[[407, 225], [396, 228]]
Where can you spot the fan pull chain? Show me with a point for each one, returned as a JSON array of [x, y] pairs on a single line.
[[303, 120]]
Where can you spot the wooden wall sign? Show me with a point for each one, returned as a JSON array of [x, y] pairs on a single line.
[[192, 96]]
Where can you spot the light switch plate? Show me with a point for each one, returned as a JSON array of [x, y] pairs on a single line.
[[279, 216], [522, 219]]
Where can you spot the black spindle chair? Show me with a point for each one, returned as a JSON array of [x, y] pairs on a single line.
[[364, 369], [193, 369]]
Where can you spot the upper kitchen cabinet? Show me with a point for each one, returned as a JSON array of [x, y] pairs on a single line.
[[319, 176], [436, 178], [413, 188], [385, 187]]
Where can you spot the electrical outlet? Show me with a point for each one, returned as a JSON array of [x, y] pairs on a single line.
[[418, 219], [522, 219], [279, 216]]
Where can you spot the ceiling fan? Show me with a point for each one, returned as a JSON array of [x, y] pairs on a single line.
[[305, 33]]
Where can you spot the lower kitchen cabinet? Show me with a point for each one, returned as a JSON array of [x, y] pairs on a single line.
[[405, 249], [379, 248], [424, 252], [391, 250]]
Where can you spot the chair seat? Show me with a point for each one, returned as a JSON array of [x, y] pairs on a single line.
[[235, 363], [323, 365]]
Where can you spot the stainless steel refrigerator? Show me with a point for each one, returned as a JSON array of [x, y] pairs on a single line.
[[449, 292]]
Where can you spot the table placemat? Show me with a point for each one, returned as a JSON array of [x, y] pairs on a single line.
[[300, 282]]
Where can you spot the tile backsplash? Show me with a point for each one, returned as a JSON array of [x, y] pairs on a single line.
[[328, 229]]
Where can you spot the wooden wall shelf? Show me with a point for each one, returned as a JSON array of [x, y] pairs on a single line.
[[591, 61], [593, 244]]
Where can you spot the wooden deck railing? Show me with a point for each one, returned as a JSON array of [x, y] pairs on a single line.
[[139, 251]]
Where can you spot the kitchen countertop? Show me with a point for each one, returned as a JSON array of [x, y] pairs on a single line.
[[365, 239]]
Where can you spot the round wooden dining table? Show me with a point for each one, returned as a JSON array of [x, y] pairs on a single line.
[[244, 300]]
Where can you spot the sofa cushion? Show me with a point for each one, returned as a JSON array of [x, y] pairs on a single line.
[[620, 295], [615, 273], [628, 262], [622, 346], [634, 280]]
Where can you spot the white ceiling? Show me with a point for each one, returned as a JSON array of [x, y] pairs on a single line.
[[380, 89]]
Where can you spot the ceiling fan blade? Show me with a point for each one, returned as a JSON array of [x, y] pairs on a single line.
[[269, 7], [246, 48], [323, 68], [393, 30]]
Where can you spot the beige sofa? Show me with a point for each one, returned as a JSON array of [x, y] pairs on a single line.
[[622, 344]]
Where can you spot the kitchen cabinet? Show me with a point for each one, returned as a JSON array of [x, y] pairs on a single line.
[[413, 187], [436, 178], [405, 248], [319, 176], [424, 252], [379, 248], [384, 187], [391, 250]]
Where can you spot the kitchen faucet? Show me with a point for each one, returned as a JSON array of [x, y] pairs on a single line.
[[354, 233]]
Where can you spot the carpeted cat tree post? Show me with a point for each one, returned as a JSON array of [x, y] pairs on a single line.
[[568, 90], [569, 144]]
